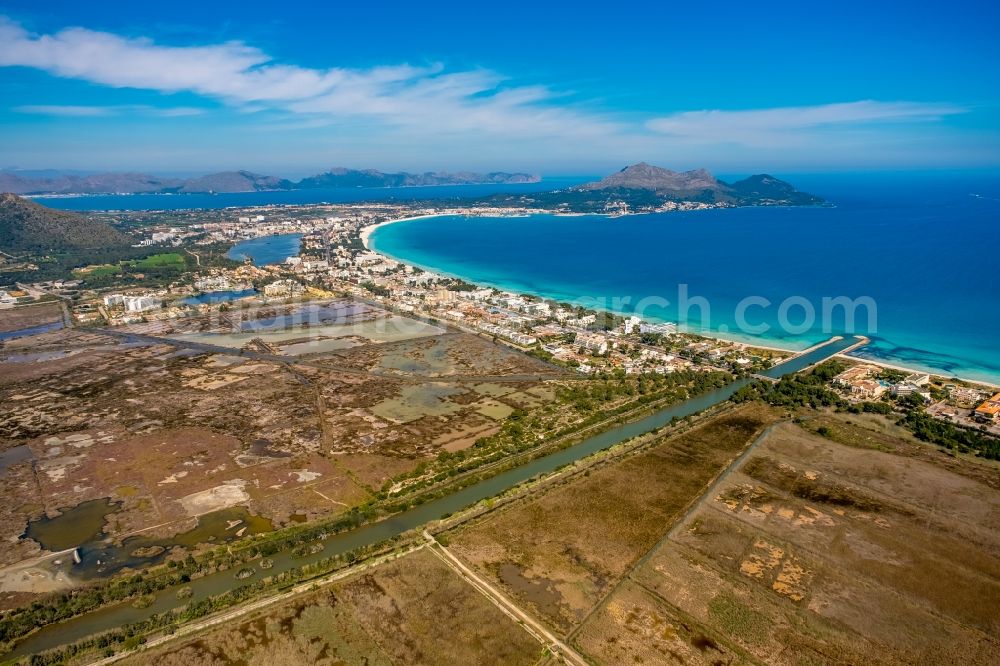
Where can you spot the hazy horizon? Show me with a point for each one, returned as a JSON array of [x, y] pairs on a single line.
[[728, 176]]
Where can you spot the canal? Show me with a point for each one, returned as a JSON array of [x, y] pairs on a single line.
[[124, 613]]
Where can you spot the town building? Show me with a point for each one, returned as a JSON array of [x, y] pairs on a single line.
[[592, 342], [212, 283], [989, 411], [854, 374], [867, 389], [283, 289], [141, 303]]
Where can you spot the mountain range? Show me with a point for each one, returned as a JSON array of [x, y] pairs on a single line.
[[699, 185], [235, 181]]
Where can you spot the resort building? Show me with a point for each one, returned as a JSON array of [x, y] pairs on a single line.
[[662, 329], [630, 324], [963, 395], [989, 411], [858, 373], [140, 303], [907, 388], [867, 389]]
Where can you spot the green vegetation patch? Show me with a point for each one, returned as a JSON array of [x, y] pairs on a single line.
[[737, 618], [103, 270], [159, 261], [152, 269]]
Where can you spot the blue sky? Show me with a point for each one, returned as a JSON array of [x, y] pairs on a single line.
[[557, 89]]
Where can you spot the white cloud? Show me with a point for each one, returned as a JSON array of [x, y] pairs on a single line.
[[76, 111], [243, 76], [763, 126], [63, 110], [433, 113]]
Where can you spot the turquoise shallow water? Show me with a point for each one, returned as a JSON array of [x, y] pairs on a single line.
[[923, 250]]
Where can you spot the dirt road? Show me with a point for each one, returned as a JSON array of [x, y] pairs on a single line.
[[532, 626]]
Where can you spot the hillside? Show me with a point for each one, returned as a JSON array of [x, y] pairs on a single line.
[[645, 180], [28, 227], [764, 188], [234, 181], [644, 176], [103, 183]]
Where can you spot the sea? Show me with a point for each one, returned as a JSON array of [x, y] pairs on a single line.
[[89, 202], [920, 250], [915, 258]]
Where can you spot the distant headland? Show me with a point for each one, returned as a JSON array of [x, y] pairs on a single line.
[[700, 185], [644, 188], [55, 182]]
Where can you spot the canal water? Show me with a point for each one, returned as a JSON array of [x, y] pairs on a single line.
[[115, 616]]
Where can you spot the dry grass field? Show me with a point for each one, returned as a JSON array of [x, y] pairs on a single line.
[[559, 553], [414, 610], [861, 547], [15, 319]]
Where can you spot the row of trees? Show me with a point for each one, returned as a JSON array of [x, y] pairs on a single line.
[[132, 635], [577, 405]]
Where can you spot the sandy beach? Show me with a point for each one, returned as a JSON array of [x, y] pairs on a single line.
[[792, 350], [369, 230], [366, 233]]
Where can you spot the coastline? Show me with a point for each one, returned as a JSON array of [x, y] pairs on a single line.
[[63, 195], [746, 339], [902, 368], [366, 233]]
